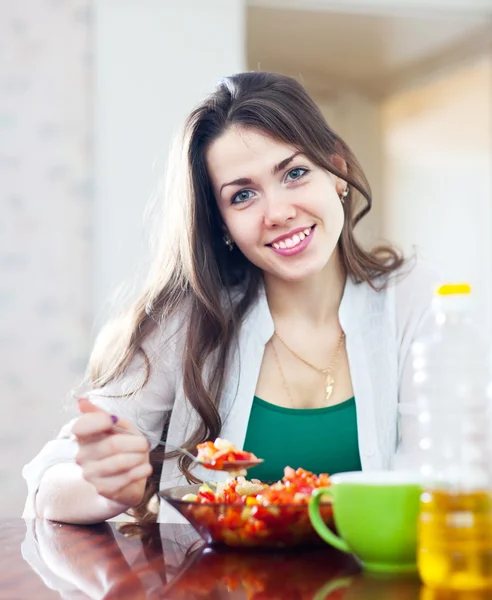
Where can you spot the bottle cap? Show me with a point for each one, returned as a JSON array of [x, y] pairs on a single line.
[[453, 297], [453, 289]]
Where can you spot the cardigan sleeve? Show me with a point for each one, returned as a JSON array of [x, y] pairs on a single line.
[[146, 403]]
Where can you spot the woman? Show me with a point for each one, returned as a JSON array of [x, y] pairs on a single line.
[[262, 320]]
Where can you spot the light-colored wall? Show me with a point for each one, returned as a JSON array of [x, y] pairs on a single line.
[[71, 228], [427, 151], [357, 119], [155, 59], [45, 225], [438, 174]]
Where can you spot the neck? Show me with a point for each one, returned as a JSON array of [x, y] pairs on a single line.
[[314, 300]]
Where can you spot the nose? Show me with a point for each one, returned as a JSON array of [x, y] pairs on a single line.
[[278, 210]]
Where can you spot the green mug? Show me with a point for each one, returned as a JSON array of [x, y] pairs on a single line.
[[376, 515]]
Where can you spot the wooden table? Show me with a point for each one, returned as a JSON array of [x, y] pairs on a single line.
[[44, 560]]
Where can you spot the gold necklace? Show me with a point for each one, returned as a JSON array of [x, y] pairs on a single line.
[[329, 381], [287, 388]]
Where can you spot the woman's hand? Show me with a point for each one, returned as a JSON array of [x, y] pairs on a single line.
[[116, 464]]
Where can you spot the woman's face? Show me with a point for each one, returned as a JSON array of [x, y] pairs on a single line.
[[281, 210]]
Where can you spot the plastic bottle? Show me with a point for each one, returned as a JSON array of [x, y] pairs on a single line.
[[452, 379]]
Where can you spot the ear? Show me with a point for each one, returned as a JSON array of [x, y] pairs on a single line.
[[341, 165]]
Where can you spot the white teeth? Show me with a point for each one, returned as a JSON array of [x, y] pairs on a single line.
[[293, 241]]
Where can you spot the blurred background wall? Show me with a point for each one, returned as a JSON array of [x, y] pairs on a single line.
[[46, 222], [92, 92]]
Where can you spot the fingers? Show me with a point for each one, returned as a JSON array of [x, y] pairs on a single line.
[[92, 425], [111, 487], [86, 406], [111, 446], [114, 465], [117, 466], [95, 421]]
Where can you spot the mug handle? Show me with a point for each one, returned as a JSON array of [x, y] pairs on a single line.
[[322, 530]]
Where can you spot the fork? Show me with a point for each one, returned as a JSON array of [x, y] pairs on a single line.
[[230, 466]]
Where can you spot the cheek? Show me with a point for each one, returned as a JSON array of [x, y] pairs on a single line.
[[337, 214], [244, 227], [245, 236], [327, 205], [232, 223], [333, 203], [335, 224]]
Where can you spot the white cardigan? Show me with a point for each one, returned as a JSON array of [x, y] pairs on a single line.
[[379, 329]]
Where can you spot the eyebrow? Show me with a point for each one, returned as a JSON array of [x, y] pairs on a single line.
[[246, 180]]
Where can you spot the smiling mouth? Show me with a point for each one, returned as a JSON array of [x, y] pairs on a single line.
[[294, 240]]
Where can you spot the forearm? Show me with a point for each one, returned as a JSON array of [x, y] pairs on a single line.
[[65, 496]]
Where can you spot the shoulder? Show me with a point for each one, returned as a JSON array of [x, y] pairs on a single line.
[[405, 295], [414, 286]]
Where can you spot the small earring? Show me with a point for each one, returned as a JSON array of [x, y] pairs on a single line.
[[228, 242], [344, 194]]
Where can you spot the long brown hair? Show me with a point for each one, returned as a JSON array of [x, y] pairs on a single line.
[[193, 267]]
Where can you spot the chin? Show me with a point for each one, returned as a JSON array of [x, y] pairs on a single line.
[[297, 274], [298, 270]]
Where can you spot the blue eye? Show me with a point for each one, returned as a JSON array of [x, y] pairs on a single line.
[[242, 196], [296, 173]]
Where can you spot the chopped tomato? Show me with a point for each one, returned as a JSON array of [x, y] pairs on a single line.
[[215, 454]]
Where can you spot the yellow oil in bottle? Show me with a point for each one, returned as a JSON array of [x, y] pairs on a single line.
[[431, 594], [455, 540]]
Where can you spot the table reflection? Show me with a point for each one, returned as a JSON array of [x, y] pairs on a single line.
[[170, 561], [300, 574]]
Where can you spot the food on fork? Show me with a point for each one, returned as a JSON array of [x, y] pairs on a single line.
[[216, 454]]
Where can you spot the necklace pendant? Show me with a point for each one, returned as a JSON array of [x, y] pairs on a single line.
[[329, 387]]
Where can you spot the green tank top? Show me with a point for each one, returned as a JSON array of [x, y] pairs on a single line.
[[320, 440]]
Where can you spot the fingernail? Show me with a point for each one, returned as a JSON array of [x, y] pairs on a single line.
[[114, 418]]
